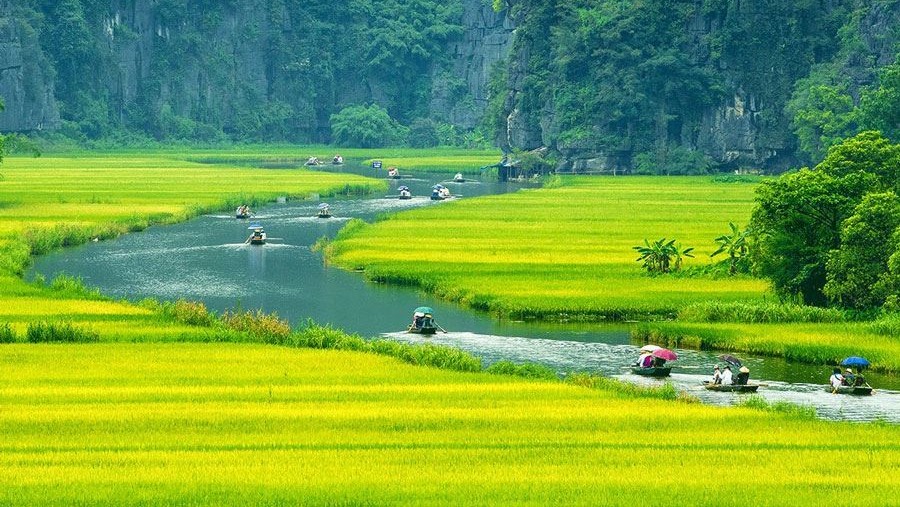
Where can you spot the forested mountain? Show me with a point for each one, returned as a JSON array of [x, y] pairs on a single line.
[[652, 86]]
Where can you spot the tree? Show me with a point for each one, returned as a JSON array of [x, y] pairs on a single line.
[[798, 218], [880, 107], [822, 115], [662, 256], [857, 271], [735, 244], [796, 222], [365, 127]]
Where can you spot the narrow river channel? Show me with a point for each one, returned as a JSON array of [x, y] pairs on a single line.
[[206, 260]]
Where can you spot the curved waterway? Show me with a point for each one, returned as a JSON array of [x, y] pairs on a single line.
[[206, 259]]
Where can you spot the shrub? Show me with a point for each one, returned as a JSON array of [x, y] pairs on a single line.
[[7, 335], [261, 326], [65, 332], [527, 370]]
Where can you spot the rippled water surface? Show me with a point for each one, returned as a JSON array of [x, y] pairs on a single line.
[[206, 259]]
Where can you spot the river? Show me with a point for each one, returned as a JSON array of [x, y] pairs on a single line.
[[206, 259]]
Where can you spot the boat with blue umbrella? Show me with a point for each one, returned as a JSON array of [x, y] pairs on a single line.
[[423, 321], [853, 383], [404, 192]]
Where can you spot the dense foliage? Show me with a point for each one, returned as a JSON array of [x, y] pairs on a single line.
[[660, 86], [254, 70], [826, 235]]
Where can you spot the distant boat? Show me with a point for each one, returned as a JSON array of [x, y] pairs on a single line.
[[405, 193], [242, 212], [257, 236], [459, 178], [393, 173], [324, 211]]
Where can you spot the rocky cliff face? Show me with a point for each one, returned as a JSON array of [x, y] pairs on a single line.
[[26, 80], [461, 94], [746, 127]]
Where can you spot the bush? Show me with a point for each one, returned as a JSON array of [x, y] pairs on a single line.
[[527, 370], [65, 332], [261, 326], [7, 335], [366, 127]]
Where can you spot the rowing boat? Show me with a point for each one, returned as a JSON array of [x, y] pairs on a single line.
[[736, 388], [653, 371]]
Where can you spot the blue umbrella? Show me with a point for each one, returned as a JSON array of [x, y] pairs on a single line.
[[855, 362]]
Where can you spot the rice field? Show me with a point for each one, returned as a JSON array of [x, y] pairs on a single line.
[[817, 343], [563, 252], [130, 424], [53, 202]]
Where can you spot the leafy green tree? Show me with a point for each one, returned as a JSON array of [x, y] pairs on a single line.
[[796, 222], [857, 271], [798, 217], [735, 244], [423, 133], [365, 127], [822, 115], [867, 152], [662, 256], [880, 106]]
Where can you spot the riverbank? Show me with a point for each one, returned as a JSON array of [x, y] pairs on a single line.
[[241, 423]]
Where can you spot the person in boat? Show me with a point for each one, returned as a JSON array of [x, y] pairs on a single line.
[[859, 379], [657, 362], [717, 375], [458, 177], [337, 159], [418, 320], [726, 376], [743, 376], [836, 380], [849, 378], [312, 161], [645, 360]]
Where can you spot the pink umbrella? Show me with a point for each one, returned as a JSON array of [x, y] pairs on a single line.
[[666, 354]]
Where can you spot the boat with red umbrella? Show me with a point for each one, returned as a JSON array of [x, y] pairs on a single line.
[[657, 368]]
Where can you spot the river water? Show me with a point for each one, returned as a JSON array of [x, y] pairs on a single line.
[[206, 259]]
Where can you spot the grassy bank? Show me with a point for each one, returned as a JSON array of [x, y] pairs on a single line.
[[559, 253], [53, 202], [249, 424]]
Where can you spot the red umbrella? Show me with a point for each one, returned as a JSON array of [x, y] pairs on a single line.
[[666, 354]]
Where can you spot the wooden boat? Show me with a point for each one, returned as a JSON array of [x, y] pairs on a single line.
[[459, 178], [405, 193], [393, 173], [324, 214], [421, 330], [258, 239], [242, 215], [258, 236], [653, 371], [855, 390], [731, 388]]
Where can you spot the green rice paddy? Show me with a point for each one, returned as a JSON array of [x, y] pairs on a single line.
[[562, 252], [130, 424]]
